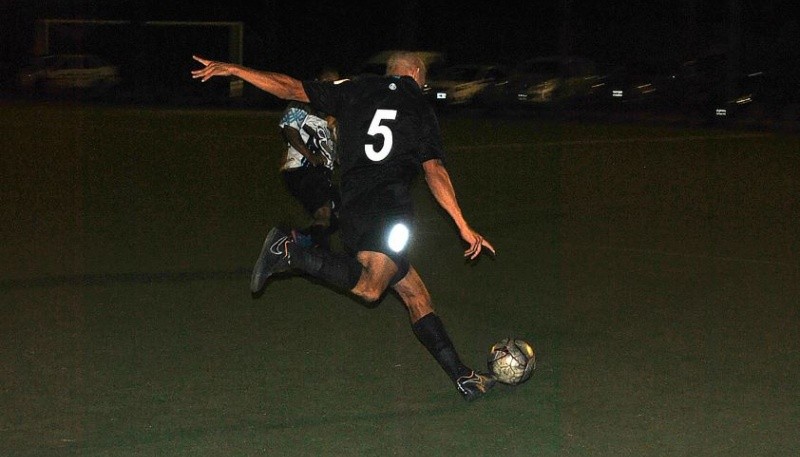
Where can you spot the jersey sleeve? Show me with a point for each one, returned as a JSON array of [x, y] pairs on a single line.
[[431, 145], [326, 96], [294, 116]]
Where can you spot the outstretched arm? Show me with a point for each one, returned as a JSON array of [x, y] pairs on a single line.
[[293, 138], [441, 187], [277, 84]]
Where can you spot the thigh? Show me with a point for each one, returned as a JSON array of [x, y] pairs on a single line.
[[374, 233]]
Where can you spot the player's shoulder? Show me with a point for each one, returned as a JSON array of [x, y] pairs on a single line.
[[294, 113], [363, 78], [382, 81]]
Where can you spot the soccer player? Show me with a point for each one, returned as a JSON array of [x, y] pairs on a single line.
[[307, 168], [387, 134]]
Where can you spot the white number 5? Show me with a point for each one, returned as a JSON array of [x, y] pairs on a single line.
[[375, 128]]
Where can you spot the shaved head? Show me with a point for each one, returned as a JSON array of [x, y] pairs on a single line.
[[407, 63]]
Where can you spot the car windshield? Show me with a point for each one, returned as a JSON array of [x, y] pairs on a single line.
[[540, 67], [460, 73]]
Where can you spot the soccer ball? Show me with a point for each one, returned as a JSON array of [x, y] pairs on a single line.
[[512, 361]]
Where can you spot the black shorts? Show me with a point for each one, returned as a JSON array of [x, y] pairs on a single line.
[[311, 186], [373, 233]]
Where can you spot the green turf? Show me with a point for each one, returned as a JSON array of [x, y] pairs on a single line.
[[654, 268]]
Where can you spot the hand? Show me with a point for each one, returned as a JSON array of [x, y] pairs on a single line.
[[476, 243], [316, 159], [210, 69]]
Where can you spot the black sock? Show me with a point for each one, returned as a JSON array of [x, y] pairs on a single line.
[[431, 333], [335, 269]]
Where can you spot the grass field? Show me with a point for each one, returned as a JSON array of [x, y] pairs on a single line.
[[655, 269]]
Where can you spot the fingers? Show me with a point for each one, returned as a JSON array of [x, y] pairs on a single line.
[[476, 247], [204, 73], [489, 246]]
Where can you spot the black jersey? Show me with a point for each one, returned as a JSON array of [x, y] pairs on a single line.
[[386, 131]]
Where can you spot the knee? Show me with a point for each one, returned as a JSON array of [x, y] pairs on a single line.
[[369, 294]]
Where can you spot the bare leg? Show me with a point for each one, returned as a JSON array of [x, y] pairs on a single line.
[[414, 295], [427, 326], [378, 270]]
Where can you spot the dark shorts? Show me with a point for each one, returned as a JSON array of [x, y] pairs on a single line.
[[311, 186], [372, 233]]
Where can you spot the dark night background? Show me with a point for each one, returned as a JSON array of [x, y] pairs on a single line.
[[300, 37]]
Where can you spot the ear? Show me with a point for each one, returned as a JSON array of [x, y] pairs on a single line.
[[415, 74]]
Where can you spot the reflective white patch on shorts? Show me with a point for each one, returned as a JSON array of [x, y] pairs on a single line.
[[398, 237]]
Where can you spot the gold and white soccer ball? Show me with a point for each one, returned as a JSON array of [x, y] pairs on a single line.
[[512, 361]]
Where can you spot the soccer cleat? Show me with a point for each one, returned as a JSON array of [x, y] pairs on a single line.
[[474, 385], [274, 258]]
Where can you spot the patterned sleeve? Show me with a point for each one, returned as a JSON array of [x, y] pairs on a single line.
[[294, 116]]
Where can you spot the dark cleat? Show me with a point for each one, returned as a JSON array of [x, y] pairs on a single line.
[[274, 258], [474, 385]]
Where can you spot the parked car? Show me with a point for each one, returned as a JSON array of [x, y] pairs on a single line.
[[706, 85], [545, 81], [460, 85], [68, 71], [637, 84]]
